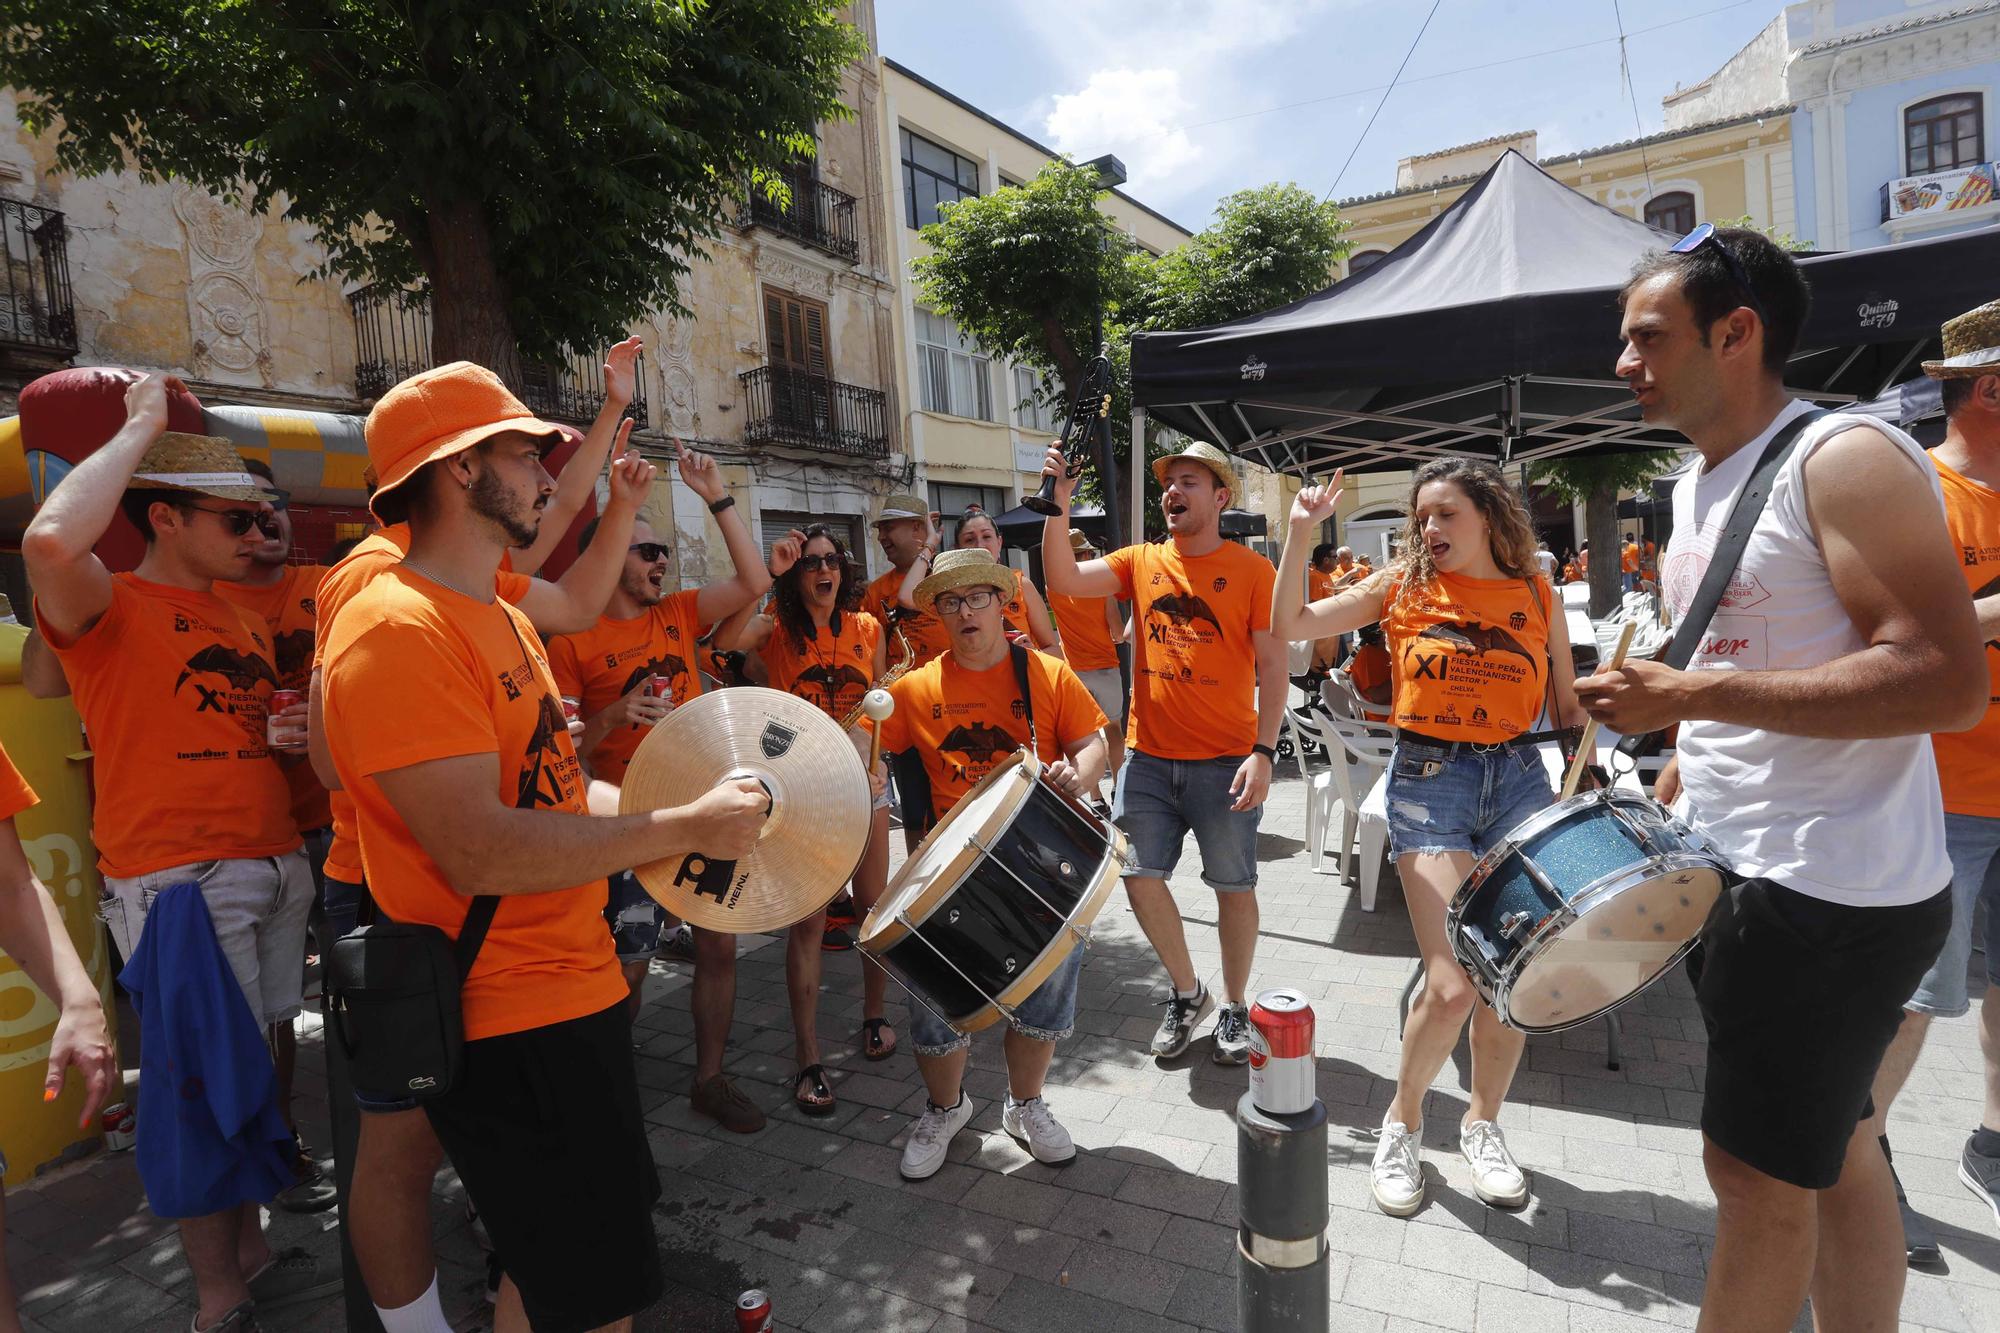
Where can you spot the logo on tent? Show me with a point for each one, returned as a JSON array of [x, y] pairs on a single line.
[[1880, 315], [1254, 368]]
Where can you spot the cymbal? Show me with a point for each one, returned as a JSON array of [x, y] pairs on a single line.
[[820, 805]]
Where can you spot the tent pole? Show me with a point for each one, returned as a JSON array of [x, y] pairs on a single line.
[[1137, 532]]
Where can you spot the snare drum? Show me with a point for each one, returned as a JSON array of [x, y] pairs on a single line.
[[1584, 905], [995, 897]]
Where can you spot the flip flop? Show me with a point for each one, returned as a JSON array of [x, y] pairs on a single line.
[[803, 1097], [873, 1047]]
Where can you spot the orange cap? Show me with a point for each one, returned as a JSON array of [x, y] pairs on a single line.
[[440, 412]]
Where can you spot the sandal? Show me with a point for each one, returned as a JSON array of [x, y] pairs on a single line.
[[872, 1045], [817, 1099]]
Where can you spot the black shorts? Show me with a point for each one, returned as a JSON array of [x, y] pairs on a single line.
[[1801, 997], [913, 790], [546, 1133]]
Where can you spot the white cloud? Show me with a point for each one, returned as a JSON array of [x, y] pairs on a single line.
[[1132, 113]]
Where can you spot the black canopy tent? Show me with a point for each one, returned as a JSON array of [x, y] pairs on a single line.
[[1493, 331]]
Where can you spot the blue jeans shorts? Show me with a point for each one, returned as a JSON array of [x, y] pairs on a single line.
[[1973, 842], [1440, 801], [1048, 1014], [636, 921], [1160, 800]]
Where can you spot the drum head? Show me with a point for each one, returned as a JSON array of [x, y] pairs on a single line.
[[1623, 937], [946, 852]]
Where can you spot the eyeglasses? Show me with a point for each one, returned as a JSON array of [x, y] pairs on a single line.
[[810, 563], [651, 551], [949, 605], [1704, 237], [240, 521]]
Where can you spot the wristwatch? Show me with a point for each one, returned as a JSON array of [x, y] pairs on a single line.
[[722, 504], [1264, 750]]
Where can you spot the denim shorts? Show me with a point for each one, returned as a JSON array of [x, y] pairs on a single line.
[[636, 921], [258, 906], [1160, 800], [1467, 801], [1973, 842], [1048, 1014]]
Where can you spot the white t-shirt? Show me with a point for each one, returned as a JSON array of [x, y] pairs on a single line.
[[1547, 563], [1858, 822]]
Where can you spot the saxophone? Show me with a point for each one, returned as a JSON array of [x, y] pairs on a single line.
[[889, 677]]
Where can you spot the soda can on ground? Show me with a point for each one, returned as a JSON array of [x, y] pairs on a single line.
[[1281, 1053], [753, 1312], [280, 701]]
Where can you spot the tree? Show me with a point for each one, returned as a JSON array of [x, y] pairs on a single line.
[[1024, 272], [546, 172], [1595, 482]]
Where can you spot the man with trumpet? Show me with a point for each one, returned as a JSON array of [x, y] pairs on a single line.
[[964, 714]]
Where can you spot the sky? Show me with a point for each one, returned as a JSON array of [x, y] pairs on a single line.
[[1203, 97]]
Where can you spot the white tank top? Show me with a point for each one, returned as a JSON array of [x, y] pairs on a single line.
[[1858, 822]]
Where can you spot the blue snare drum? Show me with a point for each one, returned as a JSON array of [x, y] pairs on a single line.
[[1584, 905]]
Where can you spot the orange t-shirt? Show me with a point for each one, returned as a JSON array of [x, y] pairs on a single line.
[[965, 722], [836, 666], [416, 672], [1570, 572], [605, 662], [1015, 612], [1369, 667], [379, 550], [1318, 585], [926, 633], [1470, 656], [1628, 558], [173, 686], [1194, 654], [1086, 637], [15, 793], [1969, 761], [289, 611]]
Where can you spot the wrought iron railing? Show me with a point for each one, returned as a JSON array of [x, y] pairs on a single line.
[[818, 214], [37, 306], [796, 408], [392, 341]]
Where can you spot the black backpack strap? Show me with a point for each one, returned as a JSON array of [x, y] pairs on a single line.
[[477, 918], [1020, 656], [1722, 564]]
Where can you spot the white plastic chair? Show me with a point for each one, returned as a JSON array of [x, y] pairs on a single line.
[[1324, 788], [1337, 696], [1367, 746]]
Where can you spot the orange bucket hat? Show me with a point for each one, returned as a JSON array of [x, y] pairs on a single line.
[[438, 413]]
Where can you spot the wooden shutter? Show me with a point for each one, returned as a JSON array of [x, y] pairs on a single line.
[[795, 331]]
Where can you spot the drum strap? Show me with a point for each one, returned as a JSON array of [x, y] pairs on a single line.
[[1020, 656], [1722, 565]]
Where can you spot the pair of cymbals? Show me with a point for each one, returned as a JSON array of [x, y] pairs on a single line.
[[820, 807]]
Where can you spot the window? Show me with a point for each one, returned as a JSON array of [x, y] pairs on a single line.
[[778, 522], [1943, 133], [795, 331], [1363, 260], [951, 501], [1671, 212], [1031, 413], [1008, 182], [952, 372], [933, 175]]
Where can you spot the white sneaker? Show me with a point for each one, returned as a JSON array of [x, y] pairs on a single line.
[[1495, 1177], [1036, 1128], [1397, 1173], [932, 1135]]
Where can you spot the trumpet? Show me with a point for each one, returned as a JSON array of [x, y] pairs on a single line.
[[1092, 405]]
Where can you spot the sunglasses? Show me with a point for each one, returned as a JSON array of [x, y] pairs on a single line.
[[652, 551], [1704, 237], [949, 605], [240, 521], [812, 563]]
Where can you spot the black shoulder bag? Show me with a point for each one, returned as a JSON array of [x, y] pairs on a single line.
[[1722, 565], [393, 1003]]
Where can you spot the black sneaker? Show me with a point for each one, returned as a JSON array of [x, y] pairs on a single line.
[[1232, 1034], [1183, 1017], [1981, 1175]]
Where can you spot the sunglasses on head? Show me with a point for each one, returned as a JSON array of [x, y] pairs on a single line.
[[811, 563], [240, 521], [651, 551], [1704, 237]]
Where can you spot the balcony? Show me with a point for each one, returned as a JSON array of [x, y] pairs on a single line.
[[818, 215], [392, 341], [801, 410], [37, 307]]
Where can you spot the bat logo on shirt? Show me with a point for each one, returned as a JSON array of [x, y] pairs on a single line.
[[831, 680], [673, 668], [1472, 639], [294, 651], [978, 743], [1185, 610], [535, 757], [242, 670]]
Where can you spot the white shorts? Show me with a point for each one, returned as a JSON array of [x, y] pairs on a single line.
[[1108, 688]]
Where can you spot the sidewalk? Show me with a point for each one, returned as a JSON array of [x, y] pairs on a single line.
[[1138, 1234]]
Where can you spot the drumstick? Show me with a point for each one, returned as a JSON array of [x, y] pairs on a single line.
[[1585, 747], [876, 705]]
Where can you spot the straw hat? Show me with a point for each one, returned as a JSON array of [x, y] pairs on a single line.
[[438, 413], [903, 505], [1204, 453], [1080, 544], [1971, 345], [203, 464], [970, 567]]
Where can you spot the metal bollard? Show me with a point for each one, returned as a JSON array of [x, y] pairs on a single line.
[[1281, 1187]]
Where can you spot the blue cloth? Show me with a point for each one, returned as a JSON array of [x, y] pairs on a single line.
[[211, 1133], [1464, 802]]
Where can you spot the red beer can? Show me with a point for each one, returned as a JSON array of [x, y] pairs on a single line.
[[753, 1312], [663, 690], [280, 701], [571, 708], [1281, 1053]]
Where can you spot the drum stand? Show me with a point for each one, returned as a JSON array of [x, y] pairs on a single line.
[[1613, 1057]]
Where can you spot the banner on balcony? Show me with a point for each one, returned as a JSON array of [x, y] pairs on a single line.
[[1942, 191]]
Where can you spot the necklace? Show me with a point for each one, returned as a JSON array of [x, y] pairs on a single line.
[[441, 582]]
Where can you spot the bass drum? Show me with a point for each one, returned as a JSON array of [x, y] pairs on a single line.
[[1584, 905], [995, 897]]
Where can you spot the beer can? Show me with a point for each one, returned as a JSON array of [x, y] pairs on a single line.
[[663, 690], [280, 701], [753, 1312], [1281, 1053], [571, 708], [119, 1125]]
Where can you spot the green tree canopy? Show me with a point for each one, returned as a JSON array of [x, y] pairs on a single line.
[[547, 171], [1267, 247], [1594, 483]]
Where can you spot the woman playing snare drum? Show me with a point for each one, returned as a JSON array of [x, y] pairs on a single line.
[[1473, 639]]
